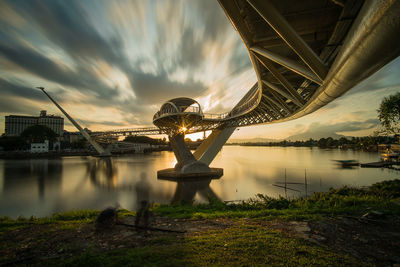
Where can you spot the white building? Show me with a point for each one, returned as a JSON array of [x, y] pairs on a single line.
[[40, 147]]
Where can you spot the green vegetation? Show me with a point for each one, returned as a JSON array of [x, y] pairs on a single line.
[[12, 143], [145, 140], [241, 245], [381, 196], [360, 143], [38, 133], [241, 242], [68, 219], [389, 114]]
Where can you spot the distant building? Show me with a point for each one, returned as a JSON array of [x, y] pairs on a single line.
[[72, 137], [15, 124], [40, 147]]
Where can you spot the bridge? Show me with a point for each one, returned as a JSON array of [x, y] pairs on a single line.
[[305, 54]]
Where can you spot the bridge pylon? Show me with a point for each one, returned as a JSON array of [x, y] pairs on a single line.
[[102, 152]]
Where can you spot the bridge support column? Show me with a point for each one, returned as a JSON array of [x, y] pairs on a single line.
[[210, 147], [187, 163]]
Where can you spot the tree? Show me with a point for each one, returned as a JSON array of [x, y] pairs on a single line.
[[10, 143], [389, 114], [38, 133], [145, 139]]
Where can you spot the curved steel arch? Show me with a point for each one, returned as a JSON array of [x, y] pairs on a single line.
[[306, 54]]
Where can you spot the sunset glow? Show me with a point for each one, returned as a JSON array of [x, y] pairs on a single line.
[[125, 58]]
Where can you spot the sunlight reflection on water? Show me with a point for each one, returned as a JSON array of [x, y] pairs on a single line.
[[41, 187]]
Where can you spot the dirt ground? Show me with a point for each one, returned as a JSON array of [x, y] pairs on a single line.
[[375, 240]]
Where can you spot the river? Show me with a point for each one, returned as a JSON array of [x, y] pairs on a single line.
[[41, 187]]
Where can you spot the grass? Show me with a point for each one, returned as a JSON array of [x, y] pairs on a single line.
[[242, 245], [66, 220], [383, 196]]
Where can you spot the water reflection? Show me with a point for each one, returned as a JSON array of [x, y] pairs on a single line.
[[102, 172], [34, 173], [186, 191], [41, 187], [142, 189]]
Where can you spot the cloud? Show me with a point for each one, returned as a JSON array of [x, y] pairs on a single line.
[[39, 65], [128, 59], [8, 106], [213, 18], [386, 77], [67, 25], [8, 88], [158, 88]]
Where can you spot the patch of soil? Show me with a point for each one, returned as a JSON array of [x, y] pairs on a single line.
[[371, 240], [42, 242], [376, 240]]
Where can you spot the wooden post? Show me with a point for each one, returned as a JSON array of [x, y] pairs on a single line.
[[305, 180], [285, 184]]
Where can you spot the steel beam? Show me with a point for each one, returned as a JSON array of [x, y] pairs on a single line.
[[268, 64], [271, 15], [275, 103], [283, 103], [369, 45], [268, 110], [210, 147], [287, 63], [282, 92], [272, 108]]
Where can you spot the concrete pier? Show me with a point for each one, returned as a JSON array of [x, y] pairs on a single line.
[[173, 175]]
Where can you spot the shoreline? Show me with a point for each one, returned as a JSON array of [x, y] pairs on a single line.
[[339, 227], [48, 155]]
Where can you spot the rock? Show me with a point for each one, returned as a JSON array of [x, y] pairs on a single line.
[[373, 214], [127, 233], [302, 229], [318, 238], [363, 240], [348, 222], [106, 219]]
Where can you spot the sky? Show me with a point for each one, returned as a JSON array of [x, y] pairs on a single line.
[[111, 64]]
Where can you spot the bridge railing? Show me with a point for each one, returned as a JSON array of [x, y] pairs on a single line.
[[211, 116], [172, 111], [246, 106], [149, 130]]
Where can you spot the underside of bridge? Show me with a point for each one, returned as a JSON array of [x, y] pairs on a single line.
[[305, 54]]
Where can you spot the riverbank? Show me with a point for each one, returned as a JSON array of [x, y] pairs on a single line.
[[53, 154], [346, 226]]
